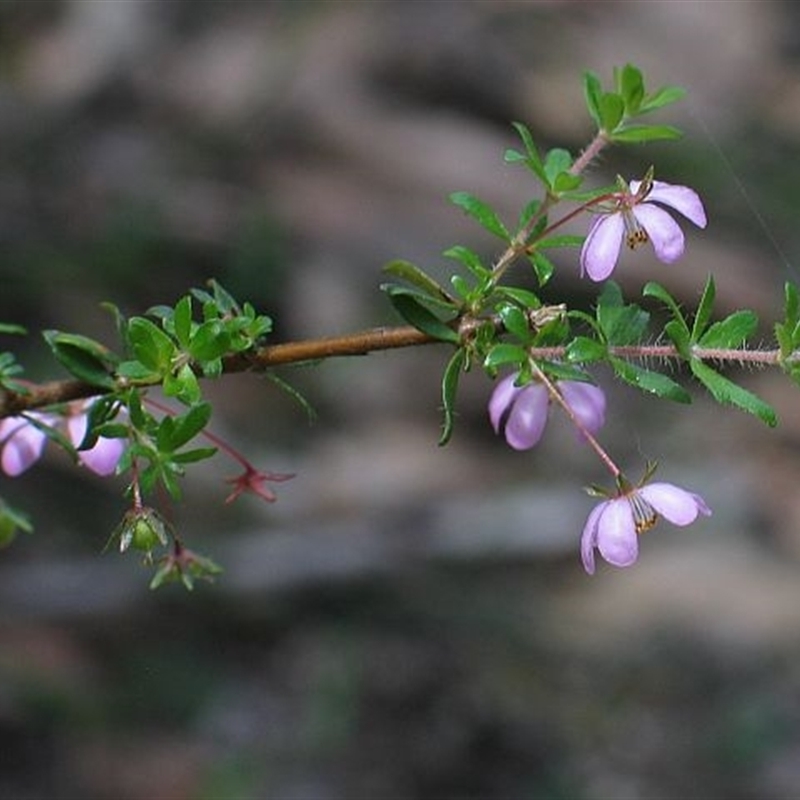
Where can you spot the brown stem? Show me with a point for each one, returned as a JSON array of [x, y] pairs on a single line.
[[354, 344]]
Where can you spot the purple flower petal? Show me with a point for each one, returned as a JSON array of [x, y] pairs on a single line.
[[681, 198], [664, 232], [589, 537], [617, 539], [76, 429], [102, 459], [501, 400], [602, 245], [527, 417], [673, 503], [588, 403], [24, 444]]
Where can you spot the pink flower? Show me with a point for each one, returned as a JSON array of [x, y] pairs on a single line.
[[639, 222], [521, 411], [23, 442], [613, 526], [102, 458]]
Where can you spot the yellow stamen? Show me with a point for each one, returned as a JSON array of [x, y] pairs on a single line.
[[644, 515], [635, 234]]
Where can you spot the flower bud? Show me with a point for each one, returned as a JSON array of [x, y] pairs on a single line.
[[142, 529]]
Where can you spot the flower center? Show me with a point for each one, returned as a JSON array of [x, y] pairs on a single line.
[[635, 234], [644, 515]]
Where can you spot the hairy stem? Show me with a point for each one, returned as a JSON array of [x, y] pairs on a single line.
[[362, 343]]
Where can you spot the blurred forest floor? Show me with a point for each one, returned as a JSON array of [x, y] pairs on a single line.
[[406, 621]]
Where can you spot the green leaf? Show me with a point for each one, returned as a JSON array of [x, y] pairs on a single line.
[[14, 330], [512, 156], [452, 373], [481, 212], [662, 97], [542, 266], [470, 259], [648, 381], [150, 344], [407, 271], [524, 297], [792, 306], [182, 320], [703, 315], [566, 240], [619, 323], [727, 392], [531, 157], [529, 210], [787, 333], [592, 93], [504, 353], [12, 521], [194, 455], [557, 162], [653, 289], [182, 384], [221, 301], [679, 336], [210, 341], [566, 182], [462, 286], [8, 369], [632, 134], [732, 331], [136, 372], [85, 358], [584, 350], [515, 321], [631, 86], [174, 432], [410, 308], [612, 110]]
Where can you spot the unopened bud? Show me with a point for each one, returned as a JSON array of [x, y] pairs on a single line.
[[142, 529]]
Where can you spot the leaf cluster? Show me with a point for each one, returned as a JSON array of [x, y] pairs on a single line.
[[614, 111]]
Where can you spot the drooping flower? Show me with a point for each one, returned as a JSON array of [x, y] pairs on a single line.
[[254, 482], [613, 526], [634, 216], [521, 411], [23, 441], [102, 458]]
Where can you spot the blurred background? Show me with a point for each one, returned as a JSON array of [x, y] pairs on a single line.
[[406, 621]]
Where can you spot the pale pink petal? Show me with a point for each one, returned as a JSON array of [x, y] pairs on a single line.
[[617, 539], [681, 198], [673, 503], [664, 232], [602, 245]]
